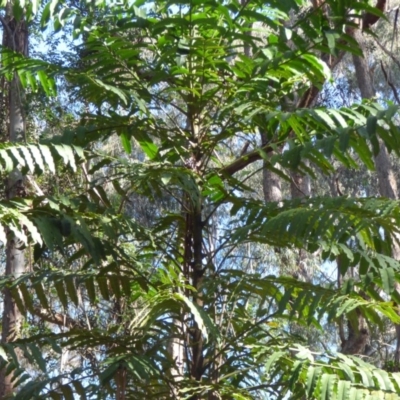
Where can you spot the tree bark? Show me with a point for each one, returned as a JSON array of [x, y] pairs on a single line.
[[300, 185], [271, 182], [15, 37], [356, 341], [386, 178]]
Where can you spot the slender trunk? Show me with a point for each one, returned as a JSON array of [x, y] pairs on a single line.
[[176, 348], [197, 279], [193, 268], [15, 38]]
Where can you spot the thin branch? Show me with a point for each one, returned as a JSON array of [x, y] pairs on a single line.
[[55, 318], [394, 90], [387, 52], [294, 183]]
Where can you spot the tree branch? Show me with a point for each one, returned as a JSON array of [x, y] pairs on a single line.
[[387, 52], [244, 161], [55, 318], [394, 90], [370, 19]]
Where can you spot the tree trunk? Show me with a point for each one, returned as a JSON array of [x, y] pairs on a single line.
[[386, 178], [192, 264], [271, 181], [300, 185], [15, 38], [387, 188], [176, 350]]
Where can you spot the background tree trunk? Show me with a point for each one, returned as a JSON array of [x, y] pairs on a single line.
[[15, 37], [387, 188], [271, 182], [300, 185]]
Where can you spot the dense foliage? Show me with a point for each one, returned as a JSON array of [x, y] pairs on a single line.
[[154, 264]]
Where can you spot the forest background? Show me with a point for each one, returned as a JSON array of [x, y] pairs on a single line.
[[200, 199]]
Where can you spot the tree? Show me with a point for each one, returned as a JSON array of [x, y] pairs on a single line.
[[15, 38], [180, 307]]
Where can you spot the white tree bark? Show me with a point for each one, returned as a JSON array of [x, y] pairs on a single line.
[[15, 38]]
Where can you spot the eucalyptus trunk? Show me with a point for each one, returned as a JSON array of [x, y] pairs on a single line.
[[271, 182], [15, 37], [387, 188]]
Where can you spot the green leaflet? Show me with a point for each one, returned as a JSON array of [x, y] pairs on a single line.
[[126, 142], [38, 158], [388, 279]]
